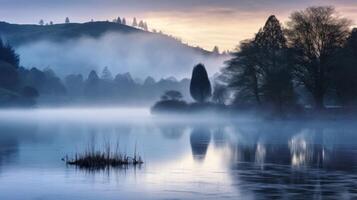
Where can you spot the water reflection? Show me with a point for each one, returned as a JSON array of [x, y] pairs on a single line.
[[256, 160], [199, 140]]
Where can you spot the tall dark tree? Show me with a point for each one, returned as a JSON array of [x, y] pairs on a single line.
[[67, 20], [243, 74], [8, 54], [200, 87], [316, 34], [345, 76], [259, 70], [9, 62], [277, 86], [123, 21]]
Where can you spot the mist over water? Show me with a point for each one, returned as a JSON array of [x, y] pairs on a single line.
[[140, 54], [189, 158]]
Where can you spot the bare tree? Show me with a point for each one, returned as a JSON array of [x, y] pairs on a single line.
[[315, 34]]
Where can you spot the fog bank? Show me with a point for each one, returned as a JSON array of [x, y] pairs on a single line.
[[140, 54]]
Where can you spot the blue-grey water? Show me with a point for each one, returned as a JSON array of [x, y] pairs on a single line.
[[202, 157]]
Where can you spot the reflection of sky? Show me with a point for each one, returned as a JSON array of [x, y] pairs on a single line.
[[240, 158]]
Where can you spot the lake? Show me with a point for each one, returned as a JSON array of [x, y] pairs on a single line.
[[202, 157]]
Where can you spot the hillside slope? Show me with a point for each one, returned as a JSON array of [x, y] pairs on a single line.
[[20, 34]]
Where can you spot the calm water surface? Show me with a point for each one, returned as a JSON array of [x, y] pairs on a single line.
[[199, 158]]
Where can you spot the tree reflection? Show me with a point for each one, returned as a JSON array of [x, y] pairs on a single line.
[[200, 139], [311, 162]]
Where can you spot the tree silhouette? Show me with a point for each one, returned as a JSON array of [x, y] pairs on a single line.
[[315, 35], [215, 50], [219, 93], [9, 78], [277, 87], [118, 20], [67, 20], [124, 21], [41, 23], [243, 74], [345, 76], [106, 74], [200, 87], [171, 95], [135, 23], [7, 54], [141, 24], [146, 26]]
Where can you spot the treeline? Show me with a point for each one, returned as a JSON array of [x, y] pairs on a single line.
[[13, 88], [309, 63], [119, 89], [26, 87], [135, 23]]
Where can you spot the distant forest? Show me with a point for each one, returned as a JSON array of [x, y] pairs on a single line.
[[309, 63]]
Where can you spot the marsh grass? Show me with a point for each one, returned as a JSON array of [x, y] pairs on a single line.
[[106, 158]]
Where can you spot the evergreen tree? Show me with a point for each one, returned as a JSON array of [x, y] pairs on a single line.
[[215, 50], [106, 74], [243, 74], [146, 26], [141, 24], [135, 23], [118, 20], [200, 87], [67, 20], [277, 86], [93, 77], [41, 23], [259, 70], [124, 21], [7, 54]]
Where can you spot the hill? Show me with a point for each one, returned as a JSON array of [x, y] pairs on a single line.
[[20, 34]]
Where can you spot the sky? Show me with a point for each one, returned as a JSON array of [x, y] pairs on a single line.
[[203, 23]]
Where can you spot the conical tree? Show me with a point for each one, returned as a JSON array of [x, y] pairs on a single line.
[[272, 58], [118, 20], [135, 23], [106, 74], [8, 54], [200, 87]]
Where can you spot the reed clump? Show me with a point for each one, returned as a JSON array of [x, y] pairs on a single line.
[[100, 159]]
